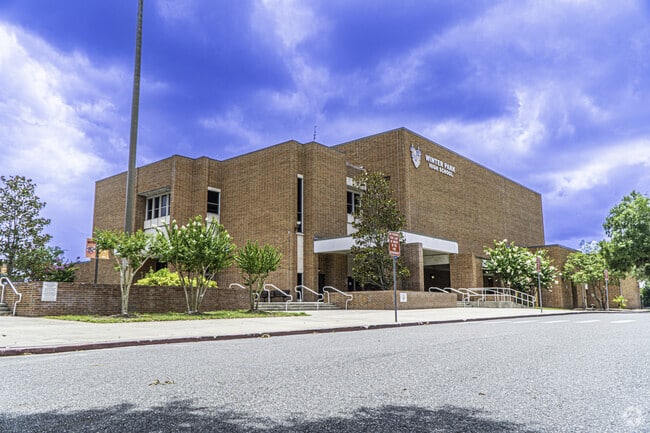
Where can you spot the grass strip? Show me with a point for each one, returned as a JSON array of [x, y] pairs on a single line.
[[164, 317]]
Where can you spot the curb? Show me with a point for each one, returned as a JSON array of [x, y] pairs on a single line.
[[41, 350]]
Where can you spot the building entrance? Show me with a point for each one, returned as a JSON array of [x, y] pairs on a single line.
[[437, 276]]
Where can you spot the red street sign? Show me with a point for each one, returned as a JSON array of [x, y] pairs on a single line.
[[538, 264], [606, 275], [393, 244]]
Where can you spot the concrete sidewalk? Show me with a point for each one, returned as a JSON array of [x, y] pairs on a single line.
[[25, 335]]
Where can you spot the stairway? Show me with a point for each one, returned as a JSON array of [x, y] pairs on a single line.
[[4, 309], [296, 306]]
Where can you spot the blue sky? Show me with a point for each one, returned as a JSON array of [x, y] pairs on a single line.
[[552, 94]]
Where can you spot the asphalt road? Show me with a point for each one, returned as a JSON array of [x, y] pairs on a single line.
[[582, 373]]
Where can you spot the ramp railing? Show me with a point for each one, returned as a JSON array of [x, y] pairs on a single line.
[[5, 281], [300, 294], [348, 296], [268, 288]]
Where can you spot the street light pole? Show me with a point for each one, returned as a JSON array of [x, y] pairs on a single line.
[[539, 282], [135, 105]]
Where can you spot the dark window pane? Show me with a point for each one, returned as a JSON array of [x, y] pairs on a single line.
[[213, 201]]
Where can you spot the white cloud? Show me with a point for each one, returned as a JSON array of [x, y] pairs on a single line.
[[291, 21], [595, 168], [516, 132], [233, 123], [177, 11], [57, 121]]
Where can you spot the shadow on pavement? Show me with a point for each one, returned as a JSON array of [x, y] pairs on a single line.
[[182, 416]]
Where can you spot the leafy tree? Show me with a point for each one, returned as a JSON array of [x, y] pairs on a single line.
[[589, 268], [645, 295], [130, 251], [376, 215], [516, 267], [628, 228], [46, 264], [255, 263], [21, 226], [197, 251]]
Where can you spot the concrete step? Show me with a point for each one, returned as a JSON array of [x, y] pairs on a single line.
[[296, 306], [4, 309]]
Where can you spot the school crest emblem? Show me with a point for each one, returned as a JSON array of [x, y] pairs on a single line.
[[416, 156]]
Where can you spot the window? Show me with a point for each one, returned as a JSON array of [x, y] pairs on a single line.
[[157, 207], [300, 216], [353, 202], [214, 200]]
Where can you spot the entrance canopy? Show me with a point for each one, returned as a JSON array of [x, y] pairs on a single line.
[[429, 244]]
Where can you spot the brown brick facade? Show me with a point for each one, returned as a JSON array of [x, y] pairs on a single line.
[[445, 197], [385, 300], [105, 299]]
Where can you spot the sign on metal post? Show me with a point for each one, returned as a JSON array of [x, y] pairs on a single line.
[[394, 252], [393, 244]]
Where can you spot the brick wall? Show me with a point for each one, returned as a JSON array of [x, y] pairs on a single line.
[[105, 299], [473, 208], [466, 270], [384, 300], [562, 294], [412, 256], [258, 203]]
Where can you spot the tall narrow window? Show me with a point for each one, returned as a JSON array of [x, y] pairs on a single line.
[[352, 201], [214, 201], [300, 214]]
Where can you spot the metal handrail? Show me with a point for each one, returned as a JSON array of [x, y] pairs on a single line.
[[319, 296], [347, 295], [465, 295], [236, 285], [3, 282], [506, 294], [470, 292], [438, 289], [272, 287], [483, 294]]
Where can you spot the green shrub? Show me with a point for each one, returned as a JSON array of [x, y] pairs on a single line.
[[621, 301], [163, 277]]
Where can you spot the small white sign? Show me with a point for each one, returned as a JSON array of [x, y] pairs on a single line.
[[48, 293], [403, 297]]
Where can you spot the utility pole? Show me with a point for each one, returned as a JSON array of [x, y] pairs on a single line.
[[135, 106]]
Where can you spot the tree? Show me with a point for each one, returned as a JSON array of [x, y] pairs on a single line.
[[130, 251], [45, 264], [197, 251], [645, 295], [589, 268], [628, 230], [255, 263], [376, 215], [21, 226], [516, 267]]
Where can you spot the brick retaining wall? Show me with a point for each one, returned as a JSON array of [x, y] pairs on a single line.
[[105, 299], [383, 300]]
